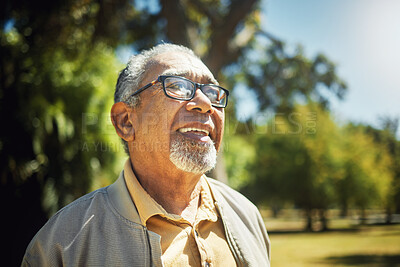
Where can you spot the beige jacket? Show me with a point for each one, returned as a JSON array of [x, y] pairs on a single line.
[[103, 228]]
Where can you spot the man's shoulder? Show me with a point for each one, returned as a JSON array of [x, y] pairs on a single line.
[[82, 203], [65, 227], [75, 214], [79, 231]]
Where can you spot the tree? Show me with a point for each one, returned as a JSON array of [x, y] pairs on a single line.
[[53, 79], [307, 160], [390, 127], [229, 38], [366, 175], [281, 79], [295, 162], [386, 137], [57, 63]]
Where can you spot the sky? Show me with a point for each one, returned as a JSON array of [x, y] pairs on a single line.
[[362, 37]]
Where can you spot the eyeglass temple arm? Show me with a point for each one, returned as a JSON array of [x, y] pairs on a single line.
[[144, 87]]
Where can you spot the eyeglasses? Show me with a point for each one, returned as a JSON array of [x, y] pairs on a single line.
[[180, 88]]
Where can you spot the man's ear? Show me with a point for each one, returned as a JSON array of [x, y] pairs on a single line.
[[122, 121]]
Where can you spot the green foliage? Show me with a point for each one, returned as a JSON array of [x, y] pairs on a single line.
[[291, 160], [366, 171], [49, 99], [53, 78], [57, 76], [280, 79], [311, 162], [239, 153], [386, 137]]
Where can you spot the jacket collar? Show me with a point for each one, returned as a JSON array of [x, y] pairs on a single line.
[[122, 201]]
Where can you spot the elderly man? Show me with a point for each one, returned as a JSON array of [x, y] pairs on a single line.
[[162, 210]]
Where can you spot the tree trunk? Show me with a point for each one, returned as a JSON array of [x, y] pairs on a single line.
[[276, 208], [389, 216], [344, 211], [323, 220], [363, 218], [309, 223]]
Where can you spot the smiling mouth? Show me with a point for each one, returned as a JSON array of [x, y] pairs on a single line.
[[196, 133]]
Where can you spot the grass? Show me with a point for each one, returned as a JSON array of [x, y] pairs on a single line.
[[346, 244]]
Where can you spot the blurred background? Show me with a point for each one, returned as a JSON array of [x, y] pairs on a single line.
[[311, 132]]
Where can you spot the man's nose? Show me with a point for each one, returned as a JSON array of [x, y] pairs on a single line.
[[200, 102]]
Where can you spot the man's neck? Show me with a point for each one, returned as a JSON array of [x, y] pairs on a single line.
[[176, 191]]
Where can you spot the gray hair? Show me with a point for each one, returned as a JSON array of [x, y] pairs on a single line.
[[131, 77]]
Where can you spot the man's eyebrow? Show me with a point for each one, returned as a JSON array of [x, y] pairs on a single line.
[[176, 73], [186, 74]]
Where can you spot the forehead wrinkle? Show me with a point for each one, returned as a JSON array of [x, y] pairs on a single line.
[[181, 64], [186, 73]]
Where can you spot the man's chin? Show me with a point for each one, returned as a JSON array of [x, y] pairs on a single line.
[[193, 156]]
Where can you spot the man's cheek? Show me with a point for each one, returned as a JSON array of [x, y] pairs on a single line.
[[156, 122]]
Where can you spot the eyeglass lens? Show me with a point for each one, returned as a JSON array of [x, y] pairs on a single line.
[[183, 89]]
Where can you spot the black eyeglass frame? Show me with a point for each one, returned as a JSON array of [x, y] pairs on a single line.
[[162, 79]]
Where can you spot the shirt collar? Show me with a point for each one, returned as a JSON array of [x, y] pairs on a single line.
[[145, 204], [206, 210], [148, 207]]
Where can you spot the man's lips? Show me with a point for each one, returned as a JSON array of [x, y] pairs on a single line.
[[195, 130], [195, 133]]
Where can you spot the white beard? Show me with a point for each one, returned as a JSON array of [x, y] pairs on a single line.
[[192, 156]]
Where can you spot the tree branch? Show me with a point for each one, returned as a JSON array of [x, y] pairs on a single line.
[[219, 53], [272, 38], [205, 10], [177, 22]]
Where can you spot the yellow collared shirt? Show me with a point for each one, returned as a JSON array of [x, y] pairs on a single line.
[[202, 243]]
